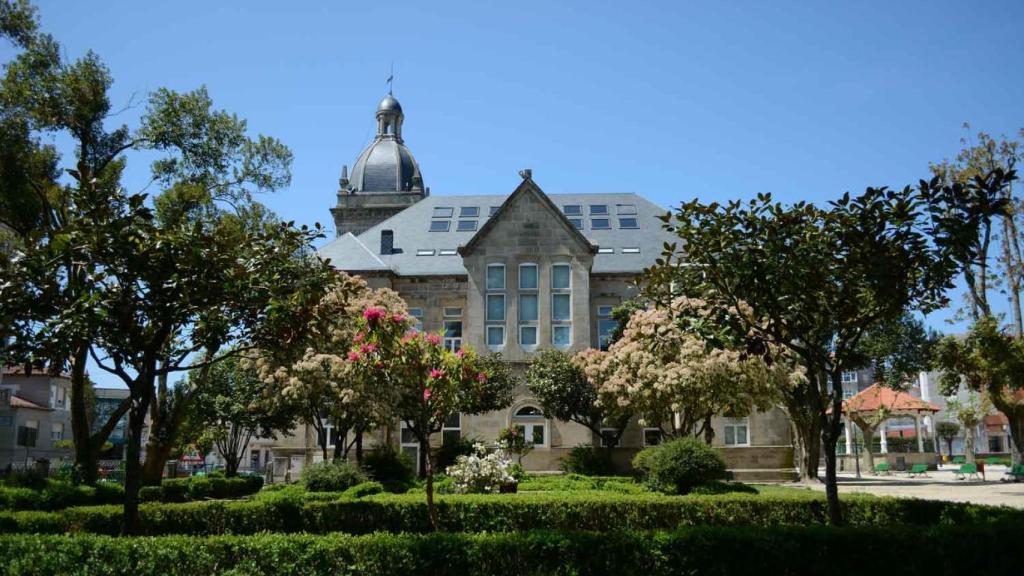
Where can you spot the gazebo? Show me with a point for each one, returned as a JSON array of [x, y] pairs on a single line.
[[873, 406]]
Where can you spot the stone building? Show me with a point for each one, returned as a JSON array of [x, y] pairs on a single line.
[[514, 274], [35, 416]]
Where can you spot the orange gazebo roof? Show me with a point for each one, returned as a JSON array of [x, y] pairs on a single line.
[[876, 396]]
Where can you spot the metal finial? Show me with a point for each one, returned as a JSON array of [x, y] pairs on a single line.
[[391, 77], [526, 174]]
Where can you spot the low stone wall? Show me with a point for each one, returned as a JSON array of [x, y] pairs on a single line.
[[898, 460]]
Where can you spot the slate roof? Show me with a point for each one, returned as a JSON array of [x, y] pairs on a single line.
[[412, 234]]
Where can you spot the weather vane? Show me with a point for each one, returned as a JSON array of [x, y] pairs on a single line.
[[391, 77]]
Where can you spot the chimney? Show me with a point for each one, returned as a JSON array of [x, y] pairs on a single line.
[[387, 242]]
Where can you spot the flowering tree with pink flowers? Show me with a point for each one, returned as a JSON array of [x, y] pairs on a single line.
[[426, 382]]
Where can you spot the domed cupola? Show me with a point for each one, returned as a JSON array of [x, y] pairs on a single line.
[[387, 164]]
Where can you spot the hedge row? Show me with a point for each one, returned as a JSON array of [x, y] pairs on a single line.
[[200, 488], [497, 513], [59, 494], [698, 550]]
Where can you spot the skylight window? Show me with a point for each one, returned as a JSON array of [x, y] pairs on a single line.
[[626, 209], [598, 208], [600, 224], [631, 250], [606, 250], [628, 222], [469, 212], [577, 222], [467, 225], [493, 210], [572, 210], [443, 212], [447, 252], [439, 225], [424, 252]]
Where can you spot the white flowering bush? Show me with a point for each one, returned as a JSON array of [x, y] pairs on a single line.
[[481, 472]]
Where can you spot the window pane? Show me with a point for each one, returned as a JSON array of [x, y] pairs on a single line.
[[652, 437], [538, 435], [495, 335], [560, 309], [467, 225], [496, 307], [730, 435], [454, 312], [561, 336], [521, 429], [528, 277], [529, 411], [741, 434], [442, 212], [597, 224], [572, 209], [450, 437], [560, 277], [453, 420], [528, 335], [577, 223], [469, 211], [407, 436], [625, 208], [598, 208], [527, 307], [439, 225], [628, 223], [493, 210], [604, 311], [496, 277], [453, 329]]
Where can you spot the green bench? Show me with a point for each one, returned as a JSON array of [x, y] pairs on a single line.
[[918, 471], [959, 459], [1014, 474], [967, 470], [883, 469]]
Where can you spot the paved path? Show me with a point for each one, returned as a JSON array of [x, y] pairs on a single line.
[[940, 485]]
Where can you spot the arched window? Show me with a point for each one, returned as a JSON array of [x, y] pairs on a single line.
[[532, 424]]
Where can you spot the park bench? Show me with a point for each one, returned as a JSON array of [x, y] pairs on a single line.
[[967, 470], [883, 469], [918, 470], [993, 461], [1014, 473], [958, 460]]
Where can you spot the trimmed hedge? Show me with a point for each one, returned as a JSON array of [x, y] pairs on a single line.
[[697, 550], [59, 494], [502, 513]]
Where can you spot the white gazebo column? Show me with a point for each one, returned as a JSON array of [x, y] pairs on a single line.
[[849, 436], [885, 441], [917, 430]]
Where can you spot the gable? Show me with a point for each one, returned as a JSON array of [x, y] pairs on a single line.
[[530, 221]]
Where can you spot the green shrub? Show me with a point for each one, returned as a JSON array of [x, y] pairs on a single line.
[[151, 494], [175, 489], [364, 489], [109, 493], [199, 488], [59, 494], [390, 467], [679, 466], [332, 477], [588, 460], [446, 455], [712, 488], [26, 478], [695, 550]]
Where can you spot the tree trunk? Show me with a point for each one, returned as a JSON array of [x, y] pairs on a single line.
[[423, 456], [805, 426], [969, 443], [86, 458], [868, 432], [157, 455], [1013, 409], [359, 446], [133, 469], [429, 468], [830, 430], [709, 432]]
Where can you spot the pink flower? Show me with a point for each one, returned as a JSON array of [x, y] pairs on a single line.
[[460, 352], [481, 377], [397, 318], [435, 373], [353, 356], [426, 394], [410, 336], [359, 337], [374, 314], [434, 339], [378, 365], [368, 348]]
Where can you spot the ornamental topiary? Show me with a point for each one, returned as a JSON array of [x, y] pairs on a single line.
[[679, 466], [332, 477], [390, 467]]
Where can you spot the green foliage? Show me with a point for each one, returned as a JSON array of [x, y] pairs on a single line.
[[606, 511], [58, 494], [446, 455], [695, 550], [679, 466], [579, 482], [898, 350], [563, 391], [333, 476], [390, 467], [364, 489], [588, 460]]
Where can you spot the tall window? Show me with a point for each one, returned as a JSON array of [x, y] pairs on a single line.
[[495, 303], [737, 432], [410, 446], [529, 314], [605, 325], [451, 432], [453, 328], [417, 318], [561, 305], [849, 377], [57, 431], [530, 422]]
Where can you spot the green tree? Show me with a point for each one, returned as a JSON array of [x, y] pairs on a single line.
[[816, 280], [989, 360], [898, 350], [970, 414], [947, 430], [232, 406], [564, 393]]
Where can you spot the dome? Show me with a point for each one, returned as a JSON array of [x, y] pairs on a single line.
[[389, 104], [386, 166]]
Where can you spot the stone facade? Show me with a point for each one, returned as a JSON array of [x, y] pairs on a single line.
[[38, 401]]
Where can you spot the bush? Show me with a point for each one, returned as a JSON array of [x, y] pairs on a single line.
[[175, 489], [59, 494], [696, 550], [588, 460], [151, 494], [364, 489], [679, 466], [481, 473], [449, 452], [332, 477], [390, 467]]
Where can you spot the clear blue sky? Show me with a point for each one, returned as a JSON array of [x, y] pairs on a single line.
[[671, 100]]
